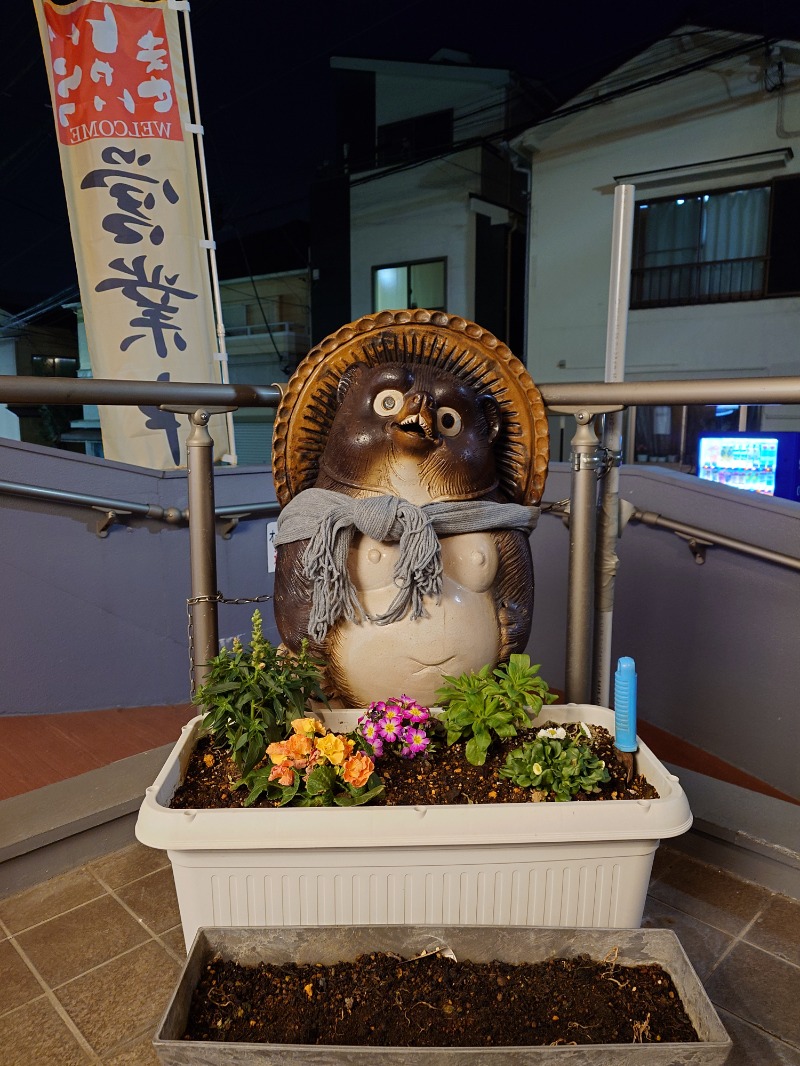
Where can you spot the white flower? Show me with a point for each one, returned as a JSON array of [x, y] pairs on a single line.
[[554, 732], [537, 768], [587, 731]]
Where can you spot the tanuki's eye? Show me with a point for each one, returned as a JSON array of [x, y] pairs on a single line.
[[388, 402], [448, 422]]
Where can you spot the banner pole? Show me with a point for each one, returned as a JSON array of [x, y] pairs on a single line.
[[195, 127]]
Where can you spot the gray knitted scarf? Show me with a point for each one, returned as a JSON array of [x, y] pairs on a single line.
[[328, 520]]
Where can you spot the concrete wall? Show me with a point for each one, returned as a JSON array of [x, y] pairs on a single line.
[[90, 623], [720, 113], [715, 645]]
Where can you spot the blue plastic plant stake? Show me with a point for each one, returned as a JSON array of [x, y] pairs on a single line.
[[625, 704]]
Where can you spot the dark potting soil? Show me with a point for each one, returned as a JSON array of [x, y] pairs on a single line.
[[433, 1001], [443, 777]]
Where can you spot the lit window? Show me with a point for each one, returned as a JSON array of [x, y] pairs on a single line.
[[402, 285]]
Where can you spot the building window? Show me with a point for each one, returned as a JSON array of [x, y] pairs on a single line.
[[415, 138], [402, 285], [54, 366], [715, 247]]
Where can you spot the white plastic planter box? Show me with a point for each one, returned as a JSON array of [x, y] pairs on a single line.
[[331, 945], [543, 864]]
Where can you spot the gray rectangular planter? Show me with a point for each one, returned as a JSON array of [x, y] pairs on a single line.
[[331, 944]]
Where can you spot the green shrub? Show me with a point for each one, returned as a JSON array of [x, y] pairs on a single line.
[[479, 707], [555, 762], [252, 694]]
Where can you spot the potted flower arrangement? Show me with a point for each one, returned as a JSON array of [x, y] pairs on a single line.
[[439, 995], [327, 838]]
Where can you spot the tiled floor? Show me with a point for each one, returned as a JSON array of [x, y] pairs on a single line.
[[88, 960]]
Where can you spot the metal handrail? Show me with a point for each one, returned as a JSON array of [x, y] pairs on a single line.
[[152, 511], [584, 399], [19, 391], [697, 538], [703, 537]]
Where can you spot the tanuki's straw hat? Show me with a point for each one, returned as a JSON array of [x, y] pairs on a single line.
[[447, 342]]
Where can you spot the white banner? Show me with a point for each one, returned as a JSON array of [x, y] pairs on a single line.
[[121, 110]]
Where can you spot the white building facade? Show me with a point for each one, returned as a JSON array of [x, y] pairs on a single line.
[[706, 126]]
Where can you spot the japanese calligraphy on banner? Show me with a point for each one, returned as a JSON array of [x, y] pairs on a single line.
[[120, 105]]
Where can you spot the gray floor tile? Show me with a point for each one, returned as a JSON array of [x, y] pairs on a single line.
[[173, 938], [122, 999], [753, 1047], [153, 899], [139, 1053], [778, 929], [87, 936], [17, 983], [702, 943], [122, 867], [48, 899], [35, 1035], [759, 988], [711, 895], [664, 857]]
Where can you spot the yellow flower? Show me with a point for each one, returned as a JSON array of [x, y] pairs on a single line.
[[307, 726], [332, 747], [537, 768]]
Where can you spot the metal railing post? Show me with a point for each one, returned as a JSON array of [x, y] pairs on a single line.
[[608, 515], [202, 544], [585, 459]]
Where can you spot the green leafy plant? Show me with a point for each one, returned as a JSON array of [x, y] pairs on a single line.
[[252, 693], [556, 762], [479, 707]]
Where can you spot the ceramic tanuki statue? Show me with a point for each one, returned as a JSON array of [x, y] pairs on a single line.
[[409, 450]]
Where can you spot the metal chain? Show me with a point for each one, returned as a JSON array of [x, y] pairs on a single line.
[[218, 598]]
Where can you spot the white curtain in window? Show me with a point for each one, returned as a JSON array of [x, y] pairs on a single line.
[[734, 229], [671, 237]]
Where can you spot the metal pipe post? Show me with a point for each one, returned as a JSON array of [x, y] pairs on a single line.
[[585, 452], [202, 545], [608, 517]]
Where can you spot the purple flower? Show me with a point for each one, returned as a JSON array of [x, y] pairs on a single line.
[[369, 732], [377, 747], [376, 709], [416, 739], [416, 713], [389, 729]]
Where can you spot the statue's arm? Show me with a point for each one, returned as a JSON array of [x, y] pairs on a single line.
[[513, 591], [292, 594]]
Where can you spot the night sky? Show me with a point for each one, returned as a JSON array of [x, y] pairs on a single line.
[[265, 96]]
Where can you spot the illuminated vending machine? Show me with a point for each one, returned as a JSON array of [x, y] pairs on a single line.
[[756, 462]]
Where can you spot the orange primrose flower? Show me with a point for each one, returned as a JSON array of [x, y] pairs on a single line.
[[277, 752], [298, 746], [357, 769], [283, 774]]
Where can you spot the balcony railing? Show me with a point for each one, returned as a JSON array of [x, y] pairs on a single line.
[[717, 281]]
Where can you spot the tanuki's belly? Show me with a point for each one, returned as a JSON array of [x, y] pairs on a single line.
[[460, 633]]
